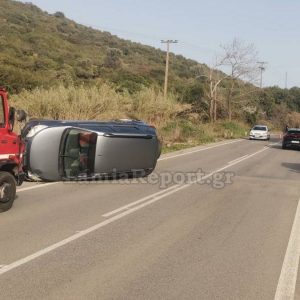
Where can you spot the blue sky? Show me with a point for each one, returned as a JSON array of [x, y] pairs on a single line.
[[273, 26]]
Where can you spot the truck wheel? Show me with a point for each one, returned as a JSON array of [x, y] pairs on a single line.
[[7, 191]]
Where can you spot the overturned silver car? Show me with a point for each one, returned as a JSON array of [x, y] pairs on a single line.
[[78, 150]]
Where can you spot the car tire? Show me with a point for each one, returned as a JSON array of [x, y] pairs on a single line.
[[7, 191], [284, 146], [148, 172]]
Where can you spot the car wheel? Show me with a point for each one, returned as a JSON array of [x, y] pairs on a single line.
[[283, 146], [7, 191]]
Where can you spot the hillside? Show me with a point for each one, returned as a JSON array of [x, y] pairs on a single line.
[[52, 63], [38, 49]]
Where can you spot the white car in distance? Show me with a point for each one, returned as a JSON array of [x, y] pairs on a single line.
[[259, 132]]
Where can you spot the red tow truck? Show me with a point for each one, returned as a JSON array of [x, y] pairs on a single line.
[[11, 154]]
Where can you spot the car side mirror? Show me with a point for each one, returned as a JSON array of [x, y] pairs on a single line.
[[21, 115], [11, 118]]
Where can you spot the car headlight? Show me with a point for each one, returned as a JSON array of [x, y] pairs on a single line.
[[34, 130]]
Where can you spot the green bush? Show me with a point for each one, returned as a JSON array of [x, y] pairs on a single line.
[[233, 129]]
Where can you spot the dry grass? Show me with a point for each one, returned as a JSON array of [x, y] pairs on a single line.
[[294, 119], [97, 103]]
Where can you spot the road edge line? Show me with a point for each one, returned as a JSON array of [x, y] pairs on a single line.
[[199, 150], [286, 286]]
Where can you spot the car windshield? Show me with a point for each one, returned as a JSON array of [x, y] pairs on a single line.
[[294, 131], [2, 114], [261, 128], [78, 156]]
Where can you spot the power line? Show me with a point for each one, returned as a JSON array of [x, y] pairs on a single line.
[[168, 42]]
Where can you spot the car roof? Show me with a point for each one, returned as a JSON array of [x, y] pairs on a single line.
[[114, 126], [83, 122]]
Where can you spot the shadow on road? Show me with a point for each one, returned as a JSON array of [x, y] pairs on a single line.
[[275, 146], [292, 167]]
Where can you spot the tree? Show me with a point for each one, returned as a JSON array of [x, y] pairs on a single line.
[[59, 14], [214, 78], [112, 59], [241, 58]]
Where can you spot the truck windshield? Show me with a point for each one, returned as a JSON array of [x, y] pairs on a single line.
[[78, 155], [2, 114]]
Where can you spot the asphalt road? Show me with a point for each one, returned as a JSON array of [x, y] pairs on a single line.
[[234, 235]]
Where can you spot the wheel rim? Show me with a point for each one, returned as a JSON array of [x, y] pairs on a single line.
[[5, 192]]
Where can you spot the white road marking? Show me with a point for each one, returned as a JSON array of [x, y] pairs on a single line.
[[139, 201], [87, 231], [288, 276], [237, 159], [175, 187], [37, 186], [72, 238], [199, 150]]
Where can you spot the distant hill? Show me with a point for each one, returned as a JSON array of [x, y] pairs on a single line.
[[40, 49]]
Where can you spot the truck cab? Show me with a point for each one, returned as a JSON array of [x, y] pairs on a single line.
[[11, 154]]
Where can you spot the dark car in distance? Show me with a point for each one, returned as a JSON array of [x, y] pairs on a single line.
[[78, 150], [291, 138]]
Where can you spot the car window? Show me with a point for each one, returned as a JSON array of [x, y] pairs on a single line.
[[261, 128], [2, 114], [293, 131], [79, 153]]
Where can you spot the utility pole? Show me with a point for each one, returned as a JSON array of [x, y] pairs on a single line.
[[286, 80], [168, 42], [262, 69]]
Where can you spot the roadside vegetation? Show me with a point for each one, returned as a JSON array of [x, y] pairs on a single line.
[[177, 126]]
